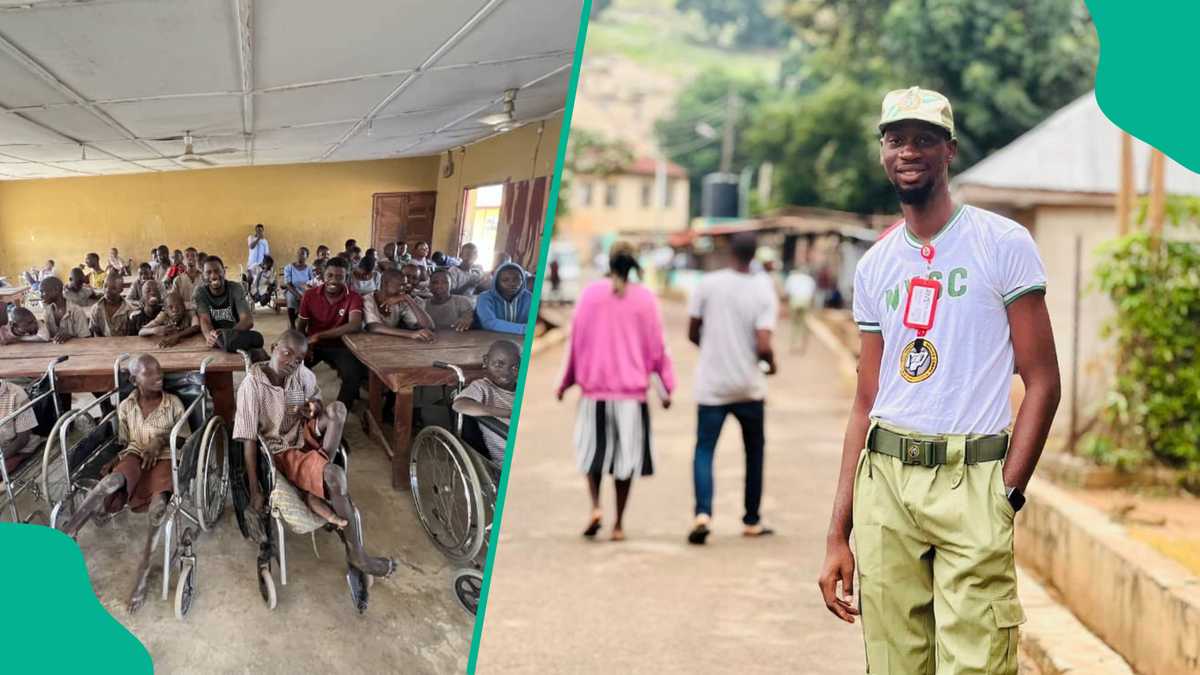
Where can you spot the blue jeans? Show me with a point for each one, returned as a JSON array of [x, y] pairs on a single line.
[[710, 419]]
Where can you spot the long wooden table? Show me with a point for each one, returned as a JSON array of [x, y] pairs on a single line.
[[89, 367], [401, 365]]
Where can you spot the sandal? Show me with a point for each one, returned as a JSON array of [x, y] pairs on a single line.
[[762, 532], [592, 528], [698, 534]]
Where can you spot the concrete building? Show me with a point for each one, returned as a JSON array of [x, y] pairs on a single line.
[[643, 197], [1060, 180]]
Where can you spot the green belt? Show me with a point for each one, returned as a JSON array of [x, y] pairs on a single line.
[[926, 452]]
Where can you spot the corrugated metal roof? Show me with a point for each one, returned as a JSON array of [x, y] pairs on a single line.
[[1077, 149]]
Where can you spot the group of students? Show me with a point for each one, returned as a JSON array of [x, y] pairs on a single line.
[[401, 294]]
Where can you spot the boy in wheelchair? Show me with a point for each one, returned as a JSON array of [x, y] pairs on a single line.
[[140, 475], [492, 396], [15, 435], [280, 402]]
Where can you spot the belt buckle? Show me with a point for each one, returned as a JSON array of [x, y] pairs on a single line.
[[918, 452]]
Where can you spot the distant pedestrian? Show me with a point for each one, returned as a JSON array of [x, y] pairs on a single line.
[[732, 317], [616, 346], [800, 289]]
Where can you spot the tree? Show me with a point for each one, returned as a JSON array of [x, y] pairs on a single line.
[[704, 102], [1004, 66], [591, 154], [738, 23]]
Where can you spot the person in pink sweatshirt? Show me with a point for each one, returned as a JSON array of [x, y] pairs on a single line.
[[616, 346]]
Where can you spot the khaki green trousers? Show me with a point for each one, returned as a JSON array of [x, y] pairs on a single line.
[[936, 579]]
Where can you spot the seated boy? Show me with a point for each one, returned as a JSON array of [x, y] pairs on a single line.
[[137, 290], [505, 308], [96, 275], [392, 311], [415, 282], [446, 310], [116, 264], [14, 436], [262, 282], [141, 475], [77, 291], [276, 402], [465, 275], [172, 320], [63, 320], [492, 396], [150, 310], [110, 317]]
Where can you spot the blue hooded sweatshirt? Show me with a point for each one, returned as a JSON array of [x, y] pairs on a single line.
[[493, 312]]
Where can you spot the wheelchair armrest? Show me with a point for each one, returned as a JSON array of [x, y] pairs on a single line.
[[493, 425]]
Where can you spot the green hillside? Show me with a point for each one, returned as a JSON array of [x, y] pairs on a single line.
[[654, 35]]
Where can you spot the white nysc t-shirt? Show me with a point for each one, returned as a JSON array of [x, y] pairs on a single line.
[[732, 306], [959, 381]]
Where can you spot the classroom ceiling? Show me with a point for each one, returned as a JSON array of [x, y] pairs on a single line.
[[87, 86]]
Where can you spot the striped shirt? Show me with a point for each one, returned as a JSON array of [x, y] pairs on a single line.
[[11, 398], [142, 433], [262, 408]]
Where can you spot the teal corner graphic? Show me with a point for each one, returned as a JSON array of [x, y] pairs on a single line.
[[57, 624], [1145, 81]]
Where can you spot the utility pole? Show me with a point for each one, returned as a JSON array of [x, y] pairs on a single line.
[[731, 114], [1158, 194]]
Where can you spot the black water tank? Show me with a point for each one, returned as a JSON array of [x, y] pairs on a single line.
[[719, 196]]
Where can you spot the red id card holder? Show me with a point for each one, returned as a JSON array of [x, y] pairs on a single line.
[[921, 306]]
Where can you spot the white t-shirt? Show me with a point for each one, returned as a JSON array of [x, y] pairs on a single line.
[[732, 306], [959, 382], [800, 289]]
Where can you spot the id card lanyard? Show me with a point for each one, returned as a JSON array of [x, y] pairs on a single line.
[[923, 294]]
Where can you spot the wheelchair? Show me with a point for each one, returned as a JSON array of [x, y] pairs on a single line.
[[48, 407], [199, 471], [285, 505], [454, 485]]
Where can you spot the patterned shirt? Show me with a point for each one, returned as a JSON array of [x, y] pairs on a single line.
[[185, 286], [114, 325], [262, 408], [142, 432], [74, 321], [488, 393], [11, 398], [395, 316]]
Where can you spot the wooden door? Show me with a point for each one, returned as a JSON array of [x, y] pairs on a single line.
[[402, 216]]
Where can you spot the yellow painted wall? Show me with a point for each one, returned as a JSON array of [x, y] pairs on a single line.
[[515, 156], [211, 209]]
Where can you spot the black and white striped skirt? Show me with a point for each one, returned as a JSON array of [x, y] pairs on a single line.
[[614, 437]]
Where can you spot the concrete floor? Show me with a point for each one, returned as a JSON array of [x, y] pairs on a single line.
[[413, 625]]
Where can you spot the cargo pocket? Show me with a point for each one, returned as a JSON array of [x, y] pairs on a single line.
[[1008, 615]]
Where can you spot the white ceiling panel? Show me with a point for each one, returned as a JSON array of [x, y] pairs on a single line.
[[340, 101], [319, 75], [15, 130], [519, 27], [479, 84], [172, 116], [347, 39], [132, 49], [76, 122]]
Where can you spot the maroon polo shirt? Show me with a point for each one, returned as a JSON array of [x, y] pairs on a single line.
[[323, 313]]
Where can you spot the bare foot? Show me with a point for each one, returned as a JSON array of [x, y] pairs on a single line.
[[135, 603], [618, 534]]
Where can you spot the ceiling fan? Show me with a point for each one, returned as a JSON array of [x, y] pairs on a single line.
[[189, 156], [504, 121]]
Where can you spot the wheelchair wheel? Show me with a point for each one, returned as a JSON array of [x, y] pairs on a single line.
[[211, 481], [185, 589], [468, 584], [266, 587], [54, 481], [446, 493]]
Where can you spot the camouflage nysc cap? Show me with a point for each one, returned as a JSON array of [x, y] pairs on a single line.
[[915, 103]]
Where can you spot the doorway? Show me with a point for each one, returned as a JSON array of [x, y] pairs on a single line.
[[481, 220]]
